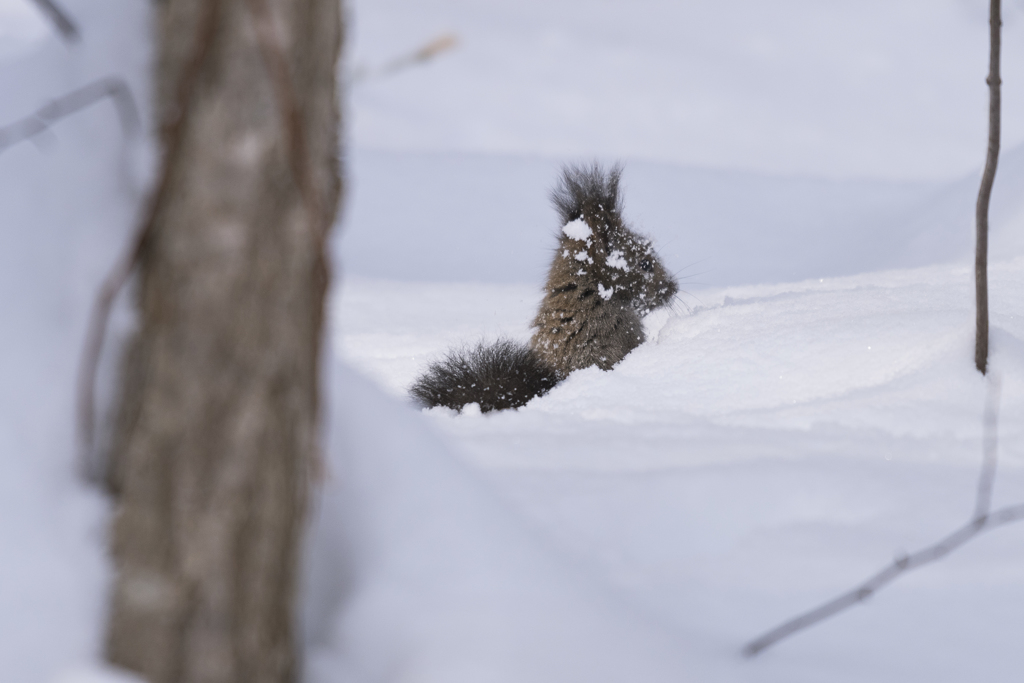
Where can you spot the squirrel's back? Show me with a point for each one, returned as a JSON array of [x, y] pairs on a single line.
[[604, 277]]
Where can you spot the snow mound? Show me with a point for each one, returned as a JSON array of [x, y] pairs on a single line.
[[444, 582]]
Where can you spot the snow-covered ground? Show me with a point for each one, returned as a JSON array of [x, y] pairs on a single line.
[[806, 410], [765, 450]]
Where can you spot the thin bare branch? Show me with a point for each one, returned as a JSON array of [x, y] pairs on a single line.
[[68, 29], [981, 520], [91, 466], [425, 53], [985, 193], [110, 86]]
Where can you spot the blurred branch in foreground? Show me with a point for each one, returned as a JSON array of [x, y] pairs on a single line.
[[116, 89], [68, 29], [111, 86], [215, 430], [983, 519], [424, 54]]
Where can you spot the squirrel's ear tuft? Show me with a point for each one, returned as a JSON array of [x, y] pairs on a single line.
[[587, 191]]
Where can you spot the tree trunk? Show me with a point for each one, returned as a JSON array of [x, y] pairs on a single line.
[[216, 434], [985, 192]]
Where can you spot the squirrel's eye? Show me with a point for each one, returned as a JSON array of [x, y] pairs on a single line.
[[645, 265]]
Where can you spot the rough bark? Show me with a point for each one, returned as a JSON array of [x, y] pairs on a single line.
[[216, 434], [985, 193]]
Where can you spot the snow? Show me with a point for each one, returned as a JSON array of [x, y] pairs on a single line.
[[97, 673], [577, 230], [20, 26], [444, 581], [805, 410], [68, 200], [487, 218], [616, 259], [759, 454], [889, 89]]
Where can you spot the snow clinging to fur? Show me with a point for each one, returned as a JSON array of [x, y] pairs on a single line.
[[616, 259], [577, 230]]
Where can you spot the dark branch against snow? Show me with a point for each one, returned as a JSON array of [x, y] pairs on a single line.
[[985, 192]]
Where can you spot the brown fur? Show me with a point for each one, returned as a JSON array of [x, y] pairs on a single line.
[[603, 278], [599, 286]]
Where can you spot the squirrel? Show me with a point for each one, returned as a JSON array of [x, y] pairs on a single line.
[[604, 277]]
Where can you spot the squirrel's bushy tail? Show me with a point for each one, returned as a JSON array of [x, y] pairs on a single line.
[[506, 374]]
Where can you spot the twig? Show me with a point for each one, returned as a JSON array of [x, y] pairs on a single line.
[[90, 464], [981, 520], [68, 29], [111, 86], [985, 193], [442, 43]]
